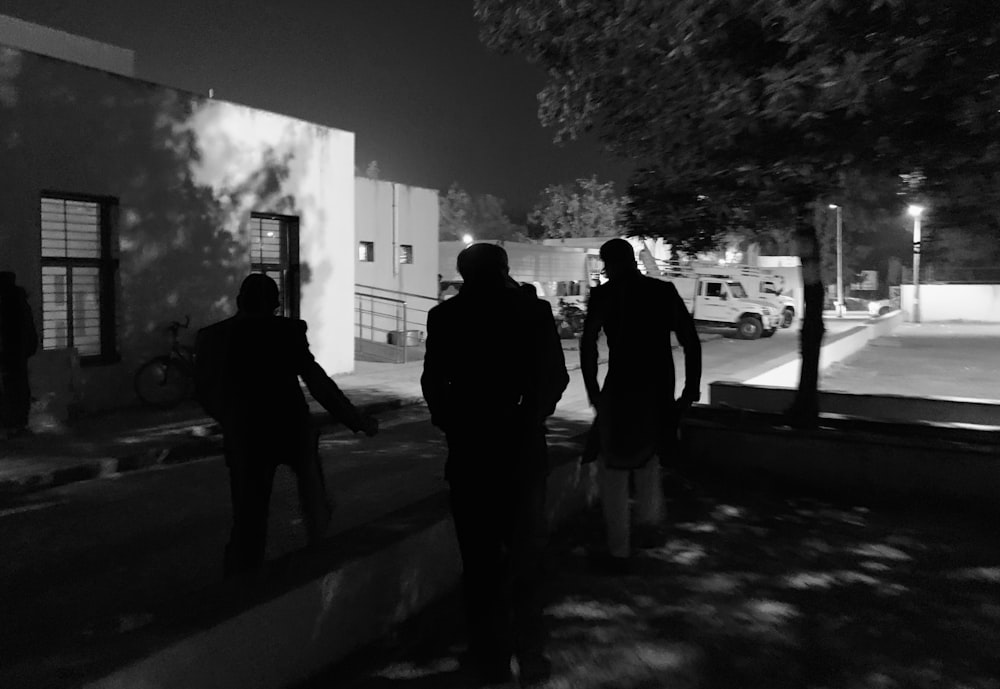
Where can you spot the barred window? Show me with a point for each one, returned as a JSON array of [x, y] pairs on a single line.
[[274, 251], [78, 276], [406, 253], [366, 252]]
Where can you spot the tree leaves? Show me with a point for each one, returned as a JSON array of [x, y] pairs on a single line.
[[751, 103], [587, 208], [482, 216]]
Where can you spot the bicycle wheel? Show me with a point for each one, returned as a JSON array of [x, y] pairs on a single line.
[[162, 382]]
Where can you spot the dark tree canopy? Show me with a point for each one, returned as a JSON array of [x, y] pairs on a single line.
[[746, 114], [761, 106]]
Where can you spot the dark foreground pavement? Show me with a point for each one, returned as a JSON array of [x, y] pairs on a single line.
[[747, 590]]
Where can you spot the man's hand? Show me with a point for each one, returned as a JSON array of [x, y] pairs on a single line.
[[369, 425], [686, 399]]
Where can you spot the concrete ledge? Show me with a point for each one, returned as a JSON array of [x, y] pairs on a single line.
[[200, 441], [884, 407], [336, 609], [785, 373], [858, 459]]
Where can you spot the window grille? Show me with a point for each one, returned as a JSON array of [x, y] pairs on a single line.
[[406, 253], [274, 251], [78, 277], [366, 252]]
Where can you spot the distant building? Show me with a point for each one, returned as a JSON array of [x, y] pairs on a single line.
[[396, 233], [556, 272]]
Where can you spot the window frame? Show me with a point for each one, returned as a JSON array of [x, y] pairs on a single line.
[[405, 254], [708, 289], [369, 256], [107, 264], [288, 265]]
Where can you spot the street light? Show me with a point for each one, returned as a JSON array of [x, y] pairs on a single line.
[[467, 239], [840, 259], [915, 213]]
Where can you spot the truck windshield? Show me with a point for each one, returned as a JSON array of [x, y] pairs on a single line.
[[737, 290]]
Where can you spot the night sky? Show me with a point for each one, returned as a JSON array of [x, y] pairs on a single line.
[[426, 99]]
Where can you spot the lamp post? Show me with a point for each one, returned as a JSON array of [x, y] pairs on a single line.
[[840, 259], [915, 212]]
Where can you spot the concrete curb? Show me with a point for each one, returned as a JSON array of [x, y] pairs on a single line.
[[786, 373], [878, 461], [335, 614], [156, 455]]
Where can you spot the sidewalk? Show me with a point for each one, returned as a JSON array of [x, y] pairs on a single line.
[[137, 438], [745, 589]]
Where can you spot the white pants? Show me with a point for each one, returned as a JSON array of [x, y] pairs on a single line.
[[614, 485]]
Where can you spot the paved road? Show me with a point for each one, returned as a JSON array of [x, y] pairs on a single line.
[[728, 358], [91, 560], [746, 590], [939, 359]]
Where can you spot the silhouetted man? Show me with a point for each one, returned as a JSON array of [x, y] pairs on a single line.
[[637, 415], [493, 372], [18, 342], [248, 370]]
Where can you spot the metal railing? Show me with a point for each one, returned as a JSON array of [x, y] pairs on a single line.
[[394, 321]]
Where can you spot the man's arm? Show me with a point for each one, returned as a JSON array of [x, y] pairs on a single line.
[[554, 377], [688, 337], [434, 380], [326, 392], [209, 373], [592, 326]]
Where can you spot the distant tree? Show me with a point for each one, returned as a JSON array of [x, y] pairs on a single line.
[[455, 213], [481, 216], [586, 208], [372, 171], [761, 108]]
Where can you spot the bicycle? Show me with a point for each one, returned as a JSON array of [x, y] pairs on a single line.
[[165, 380]]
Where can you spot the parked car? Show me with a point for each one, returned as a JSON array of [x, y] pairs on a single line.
[[873, 307]]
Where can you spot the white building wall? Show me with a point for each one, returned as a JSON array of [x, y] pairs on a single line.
[[976, 303], [181, 176], [235, 142], [391, 215]]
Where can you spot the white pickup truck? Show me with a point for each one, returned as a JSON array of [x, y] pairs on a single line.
[[723, 302], [717, 300], [760, 284]]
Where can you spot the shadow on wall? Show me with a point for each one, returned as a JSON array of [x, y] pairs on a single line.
[[77, 130]]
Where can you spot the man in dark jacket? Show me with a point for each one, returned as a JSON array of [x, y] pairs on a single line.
[[248, 370], [18, 342], [637, 414], [493, 372]]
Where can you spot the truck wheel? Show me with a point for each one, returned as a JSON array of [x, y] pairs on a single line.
[[769, 333], [787, 316], [750, 328]]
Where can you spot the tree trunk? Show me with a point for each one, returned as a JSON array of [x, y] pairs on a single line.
[[804, 412]]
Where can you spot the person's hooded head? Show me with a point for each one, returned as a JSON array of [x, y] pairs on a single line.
[[483, 266], [619, 259], [8, 281], [258, 295]]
